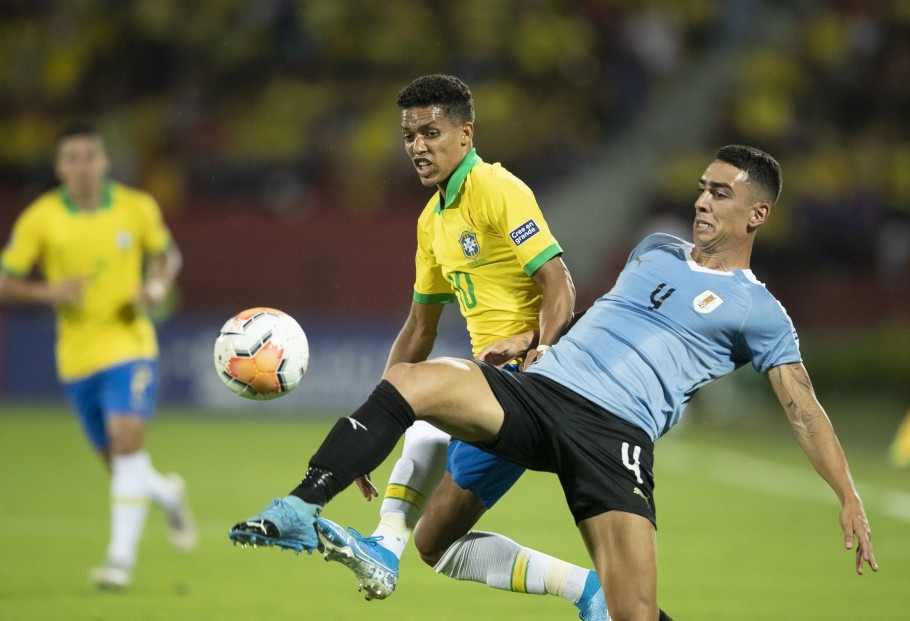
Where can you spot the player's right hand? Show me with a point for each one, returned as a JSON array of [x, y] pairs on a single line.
[[857, 534], [366, 487], [67, 291]]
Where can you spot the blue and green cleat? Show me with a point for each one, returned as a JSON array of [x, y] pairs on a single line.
[[375, 567], [287, 523], [591, 605]]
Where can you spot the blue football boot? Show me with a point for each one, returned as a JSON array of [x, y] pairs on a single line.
[[591, 605], [374, 566], [286, 523]]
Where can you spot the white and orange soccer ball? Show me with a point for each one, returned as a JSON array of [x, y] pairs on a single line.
[[261, 353]]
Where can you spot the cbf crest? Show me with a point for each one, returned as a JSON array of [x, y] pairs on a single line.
[[469, 245], [124, 240]]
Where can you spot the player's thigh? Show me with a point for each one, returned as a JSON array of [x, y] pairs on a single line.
[[485, 475], [128, 395], [449, 514], [451, 394], [623, 547], [83, 396]]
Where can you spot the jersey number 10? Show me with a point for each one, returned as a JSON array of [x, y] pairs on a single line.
[[464, 287]]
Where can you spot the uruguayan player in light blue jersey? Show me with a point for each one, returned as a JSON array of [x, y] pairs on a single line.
[[669, 326], [680, 315]]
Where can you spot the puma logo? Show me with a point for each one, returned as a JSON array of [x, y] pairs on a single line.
[[638, 492]]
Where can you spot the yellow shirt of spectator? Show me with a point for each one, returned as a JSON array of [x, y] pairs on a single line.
[[482, 247], [105, 248]]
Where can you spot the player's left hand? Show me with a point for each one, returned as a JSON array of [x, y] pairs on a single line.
[[153, 292], [504, 351], [857, 533], [366, 487]]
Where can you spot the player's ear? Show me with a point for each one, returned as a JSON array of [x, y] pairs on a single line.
[[759, 212], [467, 133]]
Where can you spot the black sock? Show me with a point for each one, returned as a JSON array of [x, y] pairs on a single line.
[[356, 445]]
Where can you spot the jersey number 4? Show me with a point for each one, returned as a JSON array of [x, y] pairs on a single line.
[[633, 463]]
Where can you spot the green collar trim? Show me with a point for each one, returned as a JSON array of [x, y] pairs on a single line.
[[457, 179], [107, 198]]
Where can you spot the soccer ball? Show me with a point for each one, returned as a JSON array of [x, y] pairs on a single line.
[[261, 353]]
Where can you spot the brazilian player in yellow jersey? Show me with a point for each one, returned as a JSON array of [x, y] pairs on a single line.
[[105, 256], [485, 241], [481, 241]]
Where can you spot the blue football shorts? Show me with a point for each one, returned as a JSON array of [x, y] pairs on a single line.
[[130, 388], [483, 474]]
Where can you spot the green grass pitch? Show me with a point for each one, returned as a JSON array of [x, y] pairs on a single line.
[[747, 530]]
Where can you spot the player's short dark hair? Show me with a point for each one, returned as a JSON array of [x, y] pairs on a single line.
[[77, 128], [764, 171], [445, 91]]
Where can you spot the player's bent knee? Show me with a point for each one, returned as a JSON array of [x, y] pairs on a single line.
[[431, 550], [398, 372], [405, 377], [422, 382]]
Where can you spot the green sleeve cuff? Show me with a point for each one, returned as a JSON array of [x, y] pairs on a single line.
[[434, 298], [553, 250], [6, 268]]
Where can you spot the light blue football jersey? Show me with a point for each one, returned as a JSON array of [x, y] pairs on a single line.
[[667, 328]]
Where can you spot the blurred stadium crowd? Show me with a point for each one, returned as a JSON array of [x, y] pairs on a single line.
[[286, 108], [208, 99]]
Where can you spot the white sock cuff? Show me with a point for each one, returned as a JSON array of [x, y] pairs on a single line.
[[445, 564], [416, 473], [129, 480], [139, 459], [458, 558]]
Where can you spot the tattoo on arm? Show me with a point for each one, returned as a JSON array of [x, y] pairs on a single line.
[[798, 399]]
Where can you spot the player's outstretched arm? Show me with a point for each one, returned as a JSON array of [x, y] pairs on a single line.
[[417, 336], [816, 436], [558, 293], [16, 290]]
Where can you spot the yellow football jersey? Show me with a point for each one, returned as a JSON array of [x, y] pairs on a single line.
[[105, 248], [482, 247]]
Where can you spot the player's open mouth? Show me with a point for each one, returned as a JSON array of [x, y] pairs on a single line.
[[423, 166], [701, 225]]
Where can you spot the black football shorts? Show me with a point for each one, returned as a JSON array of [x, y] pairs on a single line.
[[603, 462]]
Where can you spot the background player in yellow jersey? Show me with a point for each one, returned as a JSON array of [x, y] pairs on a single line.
[[105, 256], [899, 451], [481, 240]]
